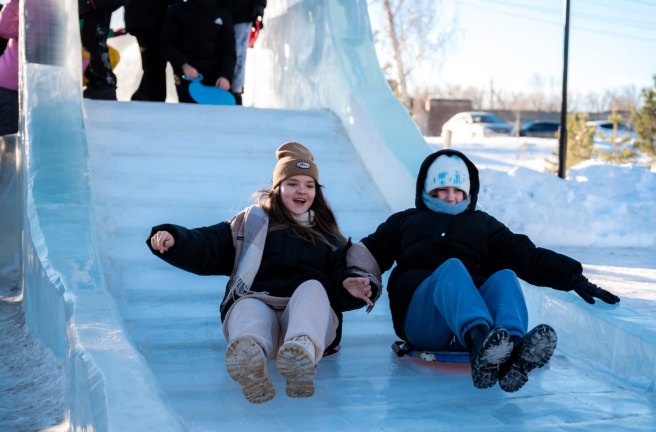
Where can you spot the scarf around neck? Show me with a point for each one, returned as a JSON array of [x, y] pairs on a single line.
[[249, 231], [439, 206]]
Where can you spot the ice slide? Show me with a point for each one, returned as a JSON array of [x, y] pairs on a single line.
[[142, 341]]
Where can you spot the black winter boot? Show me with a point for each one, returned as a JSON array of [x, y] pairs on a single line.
[[487, 349], [532, 351]]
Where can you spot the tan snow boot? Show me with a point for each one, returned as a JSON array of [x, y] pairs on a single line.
[[247, 364], [295, 362]]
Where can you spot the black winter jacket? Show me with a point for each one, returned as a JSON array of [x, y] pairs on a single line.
[[85, 6], [202, 34], [420, 240], [145, 14], [287, 262], [244, 11]]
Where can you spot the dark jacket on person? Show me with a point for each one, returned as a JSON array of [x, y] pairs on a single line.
[[244, 11], [420, 240], [201, 33], [287, 262], [145, 14], [85, 6]]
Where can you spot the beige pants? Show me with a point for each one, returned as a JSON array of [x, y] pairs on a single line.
[[272, 321]]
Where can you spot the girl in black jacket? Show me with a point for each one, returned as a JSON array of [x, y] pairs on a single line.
[[455, 286], [288, 283]]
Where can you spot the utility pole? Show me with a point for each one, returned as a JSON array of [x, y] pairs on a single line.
[[562, 142]]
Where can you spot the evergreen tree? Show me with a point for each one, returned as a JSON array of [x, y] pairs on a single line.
[[580, 141], [645, 123], [620, 153]]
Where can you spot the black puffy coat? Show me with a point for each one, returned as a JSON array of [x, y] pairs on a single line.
[[287, 262], [420, 240], [201, 33], [145, 14]]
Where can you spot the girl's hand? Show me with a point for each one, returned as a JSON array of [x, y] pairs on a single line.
[[359, 287], [162, 241], [189, 71], [222, 83]]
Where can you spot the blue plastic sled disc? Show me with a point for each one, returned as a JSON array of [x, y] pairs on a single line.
[[206, 95], [405, 349]]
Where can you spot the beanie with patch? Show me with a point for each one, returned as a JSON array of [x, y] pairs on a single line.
[[447, 171], [294, 159]]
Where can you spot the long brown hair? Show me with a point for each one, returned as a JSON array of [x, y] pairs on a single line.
[[281, 218]]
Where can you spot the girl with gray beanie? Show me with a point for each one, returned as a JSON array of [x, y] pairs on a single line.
[[288, 282], [455, 286]]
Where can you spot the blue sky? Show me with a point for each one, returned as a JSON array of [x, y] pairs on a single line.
[[611, 44]]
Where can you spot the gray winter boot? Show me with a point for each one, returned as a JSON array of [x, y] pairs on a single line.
[[295, 362], [247, 364]]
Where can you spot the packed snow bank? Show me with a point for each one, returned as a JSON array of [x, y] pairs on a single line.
[[599, 204]]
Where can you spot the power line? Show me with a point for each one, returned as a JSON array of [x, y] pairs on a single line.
[[532, 18], [613, 19], [642, 3], [613, 5]]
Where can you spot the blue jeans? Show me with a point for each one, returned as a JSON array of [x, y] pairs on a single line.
[[448, 303]]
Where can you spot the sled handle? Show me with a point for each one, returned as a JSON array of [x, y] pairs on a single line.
[[200, 78]]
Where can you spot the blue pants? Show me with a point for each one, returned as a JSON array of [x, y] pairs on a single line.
[[448, 303]]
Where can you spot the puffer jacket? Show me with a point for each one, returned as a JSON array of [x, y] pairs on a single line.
[[201, 33], [145, 14], [287, 261], [420, 240]]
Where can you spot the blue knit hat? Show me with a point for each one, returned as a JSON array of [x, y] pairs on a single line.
[[447, 171]]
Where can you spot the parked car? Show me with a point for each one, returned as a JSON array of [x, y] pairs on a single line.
[[471, 124], [605, 129], [539, 128]]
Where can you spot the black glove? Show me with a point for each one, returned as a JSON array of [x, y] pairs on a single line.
[[255, 21], [587, 290], [258, 14]]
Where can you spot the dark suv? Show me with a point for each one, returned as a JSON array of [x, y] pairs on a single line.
[[540, 128]]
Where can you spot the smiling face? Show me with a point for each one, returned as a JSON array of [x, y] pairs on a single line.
[[449, 195], [297, 193]]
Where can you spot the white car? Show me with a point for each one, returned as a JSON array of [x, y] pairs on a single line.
[[473, 124]]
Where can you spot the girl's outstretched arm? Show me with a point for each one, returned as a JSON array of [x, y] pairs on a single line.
[[203, 251]]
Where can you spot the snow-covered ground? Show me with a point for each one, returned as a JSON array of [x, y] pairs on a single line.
[[32, 379]]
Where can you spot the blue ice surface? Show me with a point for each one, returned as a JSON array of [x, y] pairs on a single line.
[[157, 172]]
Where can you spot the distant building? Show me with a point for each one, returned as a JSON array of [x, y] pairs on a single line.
[[438, 111]]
